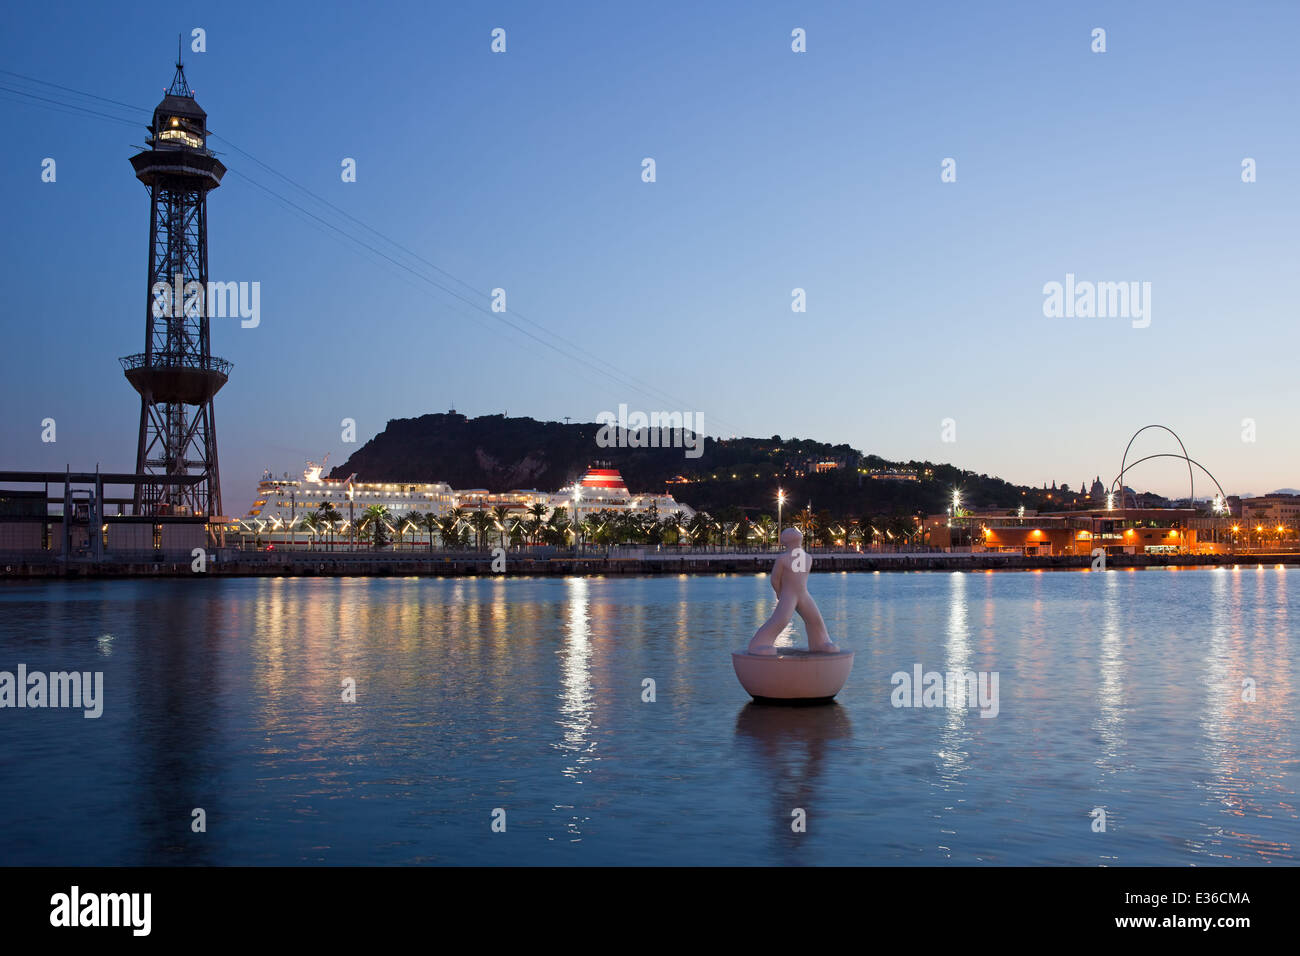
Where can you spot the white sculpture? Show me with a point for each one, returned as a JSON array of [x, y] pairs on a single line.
[[790, 582]]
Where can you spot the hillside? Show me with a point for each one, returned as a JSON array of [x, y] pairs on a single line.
[[740, 474]]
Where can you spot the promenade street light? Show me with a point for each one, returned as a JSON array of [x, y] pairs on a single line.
[[577, 515], [956, 506], [352, 515], [780, 503]]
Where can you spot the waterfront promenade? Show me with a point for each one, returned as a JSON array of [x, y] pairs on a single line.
[[531, 562]]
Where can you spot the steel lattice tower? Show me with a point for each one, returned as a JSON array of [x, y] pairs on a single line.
[[176, 374]]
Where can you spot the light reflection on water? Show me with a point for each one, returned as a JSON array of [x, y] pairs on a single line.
[[576, 705], [1122, 690]]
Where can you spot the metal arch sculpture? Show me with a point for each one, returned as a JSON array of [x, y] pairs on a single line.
[[1169, 454], [1123, 465]]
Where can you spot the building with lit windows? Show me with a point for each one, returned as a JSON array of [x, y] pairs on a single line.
[[282, 505], [1271, 510], [1132, 531]]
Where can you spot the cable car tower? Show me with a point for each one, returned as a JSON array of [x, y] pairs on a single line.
[[176, 374]]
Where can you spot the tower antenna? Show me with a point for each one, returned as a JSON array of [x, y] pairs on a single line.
[[179, 87]]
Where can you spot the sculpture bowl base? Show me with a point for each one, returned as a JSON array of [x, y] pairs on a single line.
[[792, 677], [793, 701]]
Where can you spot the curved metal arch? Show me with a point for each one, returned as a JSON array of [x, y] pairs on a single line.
[[1191, 481], [1170, 454]]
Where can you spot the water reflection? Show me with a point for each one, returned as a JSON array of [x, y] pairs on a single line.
[[957, 660], [525, 693], [1110, 678], [176, 742], [576, 696], [1246, 718], [790, 746]]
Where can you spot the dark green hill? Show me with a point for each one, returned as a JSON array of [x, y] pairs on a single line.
[[501, 454]]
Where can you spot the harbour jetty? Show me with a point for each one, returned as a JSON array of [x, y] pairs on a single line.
[[534, 562]]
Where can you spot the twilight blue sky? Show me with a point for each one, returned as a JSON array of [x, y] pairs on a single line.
[[775, 170]]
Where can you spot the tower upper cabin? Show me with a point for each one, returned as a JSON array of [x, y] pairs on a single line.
[[178, 141]]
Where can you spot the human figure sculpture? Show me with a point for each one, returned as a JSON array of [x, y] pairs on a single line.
[[790, 582]]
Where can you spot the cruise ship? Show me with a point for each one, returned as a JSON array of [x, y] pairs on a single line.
[[282, 503], [602, 489]]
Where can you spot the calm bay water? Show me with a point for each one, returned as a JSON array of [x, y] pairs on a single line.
[[1120, 690]]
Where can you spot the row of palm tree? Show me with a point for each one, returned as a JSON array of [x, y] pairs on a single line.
[[888, 531], [462, 528]]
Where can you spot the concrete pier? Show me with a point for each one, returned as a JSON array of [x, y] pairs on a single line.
[[532, 562]]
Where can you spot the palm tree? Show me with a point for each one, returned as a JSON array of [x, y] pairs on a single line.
[[310, 521], [399, 523], [824, 526], [557, 527], [655, 529], [678, 521], [595, 527], [519, 528], [431, 524], [538, 513], [330, 515], [648, 524], [481, 522], [628, 527], [718, 531], [374, 519], [447, 525], [867, 531], [699, 527], [902, 527], [806, 523], [501, 515], [603, 526], [450, 527]]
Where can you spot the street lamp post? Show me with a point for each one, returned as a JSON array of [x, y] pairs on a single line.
[[956, 513], [780, 501], [577, 517], [352, 516]]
